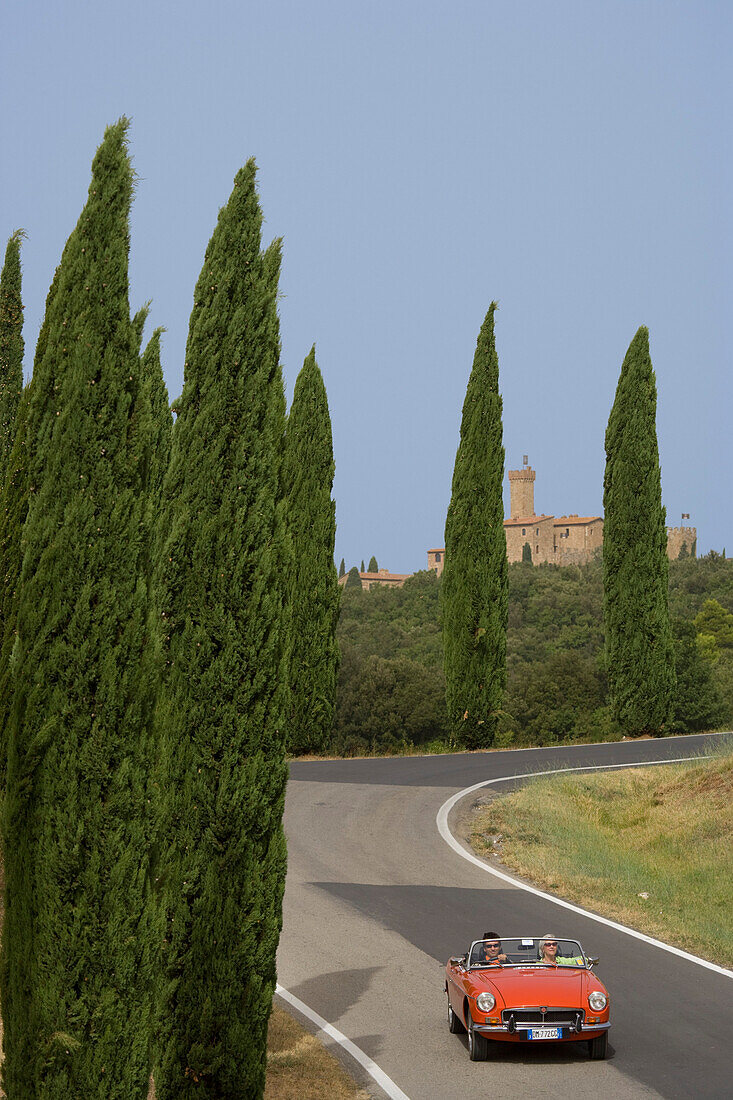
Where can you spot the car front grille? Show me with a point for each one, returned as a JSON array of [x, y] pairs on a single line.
[[533, 1017]]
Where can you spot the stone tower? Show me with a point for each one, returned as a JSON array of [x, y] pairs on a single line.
[[521, 491]]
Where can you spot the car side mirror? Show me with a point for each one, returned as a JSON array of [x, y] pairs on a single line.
[[593, 961], [457, 960]]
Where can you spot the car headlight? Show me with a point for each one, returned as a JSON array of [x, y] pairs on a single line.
[[486, 1001], [598, 1001]]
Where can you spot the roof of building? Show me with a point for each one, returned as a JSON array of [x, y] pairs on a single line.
[[568, 521], [525, 521], [382, 575]]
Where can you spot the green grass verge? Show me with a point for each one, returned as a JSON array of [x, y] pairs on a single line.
[[649, 847]]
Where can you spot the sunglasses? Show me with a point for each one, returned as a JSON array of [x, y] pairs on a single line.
[[550, 943], [493, 945]]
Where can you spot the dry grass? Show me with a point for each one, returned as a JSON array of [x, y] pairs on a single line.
[[650, 847], [300, 1068]]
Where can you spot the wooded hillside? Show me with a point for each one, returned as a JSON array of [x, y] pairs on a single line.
[[391, 691]]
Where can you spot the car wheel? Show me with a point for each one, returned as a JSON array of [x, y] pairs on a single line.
[[598, 1047], [455, 1025], [478, 1044]]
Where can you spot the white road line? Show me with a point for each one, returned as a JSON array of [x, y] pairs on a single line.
[[442, 823], [385, 1082]]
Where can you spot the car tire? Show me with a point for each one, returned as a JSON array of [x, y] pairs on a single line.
[[598, 1047], [478, 1044], [455, 1024]]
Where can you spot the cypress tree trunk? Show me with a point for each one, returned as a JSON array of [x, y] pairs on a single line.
[[639, 642], [309, 470], [475, 584], [223, 578], [11, 346], [77, 946]]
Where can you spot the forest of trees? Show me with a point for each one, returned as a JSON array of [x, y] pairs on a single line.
[[391, 688]]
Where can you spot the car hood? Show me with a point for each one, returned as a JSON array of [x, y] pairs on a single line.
[[561, 985]]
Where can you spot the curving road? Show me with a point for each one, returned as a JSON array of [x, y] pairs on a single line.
[[376, 901]]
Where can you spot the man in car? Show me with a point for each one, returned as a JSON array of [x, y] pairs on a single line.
[[490, 950]]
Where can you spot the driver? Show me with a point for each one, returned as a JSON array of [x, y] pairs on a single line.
[[490, 950]]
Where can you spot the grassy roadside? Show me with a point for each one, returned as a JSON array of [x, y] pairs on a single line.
[[649, 847], [300, 1068]]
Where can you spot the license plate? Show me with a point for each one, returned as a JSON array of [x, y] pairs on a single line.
[[544, 1033]]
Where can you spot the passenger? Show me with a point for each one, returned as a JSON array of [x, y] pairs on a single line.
[[490, 951], [549, 949]]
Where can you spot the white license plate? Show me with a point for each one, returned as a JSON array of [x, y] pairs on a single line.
[[544, 1033]]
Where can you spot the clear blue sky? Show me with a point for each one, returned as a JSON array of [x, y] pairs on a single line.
[[570, 159]]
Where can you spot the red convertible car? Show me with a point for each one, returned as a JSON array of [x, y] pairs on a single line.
[[530, 989]]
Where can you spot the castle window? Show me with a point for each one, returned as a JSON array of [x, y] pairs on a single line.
[[537, 531], [437, 557], [523, 531], [567, 532]]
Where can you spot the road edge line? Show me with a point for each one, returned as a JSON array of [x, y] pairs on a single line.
[[441, 821], [386, 1083]]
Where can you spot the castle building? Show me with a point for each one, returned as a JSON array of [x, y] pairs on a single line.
[[561, 540]]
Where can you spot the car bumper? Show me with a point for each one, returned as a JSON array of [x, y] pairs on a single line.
[[498, 1031]]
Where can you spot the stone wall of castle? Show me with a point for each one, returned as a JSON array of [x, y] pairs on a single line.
[[679, 536]]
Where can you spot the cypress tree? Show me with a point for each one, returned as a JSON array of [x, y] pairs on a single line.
[[373, 567], [11, 346], [353, 580], [77, 945], [223, 577], [342, 569], [362, 566], [475, 578], [639, 645], [527, 553], [161, 415], [12, 519], [309, 470]]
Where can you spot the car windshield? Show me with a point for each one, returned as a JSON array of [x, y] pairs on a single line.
[[526, 951]]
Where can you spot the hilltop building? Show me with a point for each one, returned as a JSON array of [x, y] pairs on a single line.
[[368, 580], [561, 540]]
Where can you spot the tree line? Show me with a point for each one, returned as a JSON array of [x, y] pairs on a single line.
[[156, 576], [391, 684]]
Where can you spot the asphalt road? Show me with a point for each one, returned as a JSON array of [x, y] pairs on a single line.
[[376, 901]]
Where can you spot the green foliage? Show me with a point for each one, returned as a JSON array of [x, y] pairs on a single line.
[[475, 574], [527, 553], [638, 637], [353, 580], [222, 580], [342, 568], [78, 945], [363, 570], [308, 480], [714, 620], [11, 346], [698, 704], [557, 686], [162, 417], [373, 567]]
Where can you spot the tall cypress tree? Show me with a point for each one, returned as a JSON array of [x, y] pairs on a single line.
[[373, 567], [12, 519], [161, 414], [77, 946], [474, 591], [223, 578], [342, 568], [639, 643], [11, 346], [309, 470], [353, 580]]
